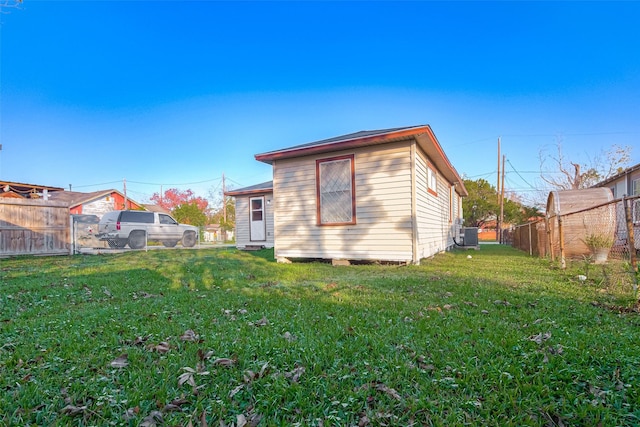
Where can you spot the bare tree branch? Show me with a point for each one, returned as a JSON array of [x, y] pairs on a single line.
[[9, 4], [575, 175]]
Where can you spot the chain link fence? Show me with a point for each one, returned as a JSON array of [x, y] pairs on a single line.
[[606, 235]]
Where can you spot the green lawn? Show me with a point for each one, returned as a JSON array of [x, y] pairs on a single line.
[[220, 337]]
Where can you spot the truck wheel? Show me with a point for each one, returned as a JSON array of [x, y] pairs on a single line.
[[137, 239], [189, 239], [169, 243], [117, 243]]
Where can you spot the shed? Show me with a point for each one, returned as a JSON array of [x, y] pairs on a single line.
[[254, 216], [375, 195], [578, 214]]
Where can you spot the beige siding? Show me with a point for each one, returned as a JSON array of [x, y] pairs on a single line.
[[435, 223], [242, 234], [383, 229]]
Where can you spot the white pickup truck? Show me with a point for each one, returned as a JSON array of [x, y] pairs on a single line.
[[135, 228]]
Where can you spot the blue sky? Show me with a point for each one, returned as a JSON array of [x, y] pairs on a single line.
[[175, 93]]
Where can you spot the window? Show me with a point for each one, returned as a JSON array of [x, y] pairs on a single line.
[[635, 187], [166, 219], [432, 181], [335, 191]]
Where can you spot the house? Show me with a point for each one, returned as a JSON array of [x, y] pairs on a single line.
[[381, 195], [254, 216], [626, 184], [215, 234], [95, 203]]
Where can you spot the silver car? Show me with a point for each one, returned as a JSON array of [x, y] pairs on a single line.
[[135, 228]]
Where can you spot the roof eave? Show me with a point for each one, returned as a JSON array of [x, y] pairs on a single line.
[[340, 145], [248, 192], [437, 156]]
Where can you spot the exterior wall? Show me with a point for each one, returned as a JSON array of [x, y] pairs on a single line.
[[243, 225], [97, 207], [104, 204], [383, 229], [436, 215]]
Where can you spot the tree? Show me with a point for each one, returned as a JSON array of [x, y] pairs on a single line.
[[481, 205], [563, 174], [190, 213], [172, 198], [218, 215]]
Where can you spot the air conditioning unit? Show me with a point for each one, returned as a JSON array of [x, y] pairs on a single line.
[[468, 238]]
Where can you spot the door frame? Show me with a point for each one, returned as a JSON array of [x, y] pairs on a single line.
[[264, 219]]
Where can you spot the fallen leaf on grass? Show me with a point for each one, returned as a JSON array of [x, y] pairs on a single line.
[[363, 421], [120, 361], [154, 419], [388, 391], [175, 405], [295, 374], [249, 420], [540, 338], [502, 302], [139, 340], [250, 376], [73, 410], [162, 347], [189, 335], [187, 377], [235, 391], [223, 361], [262, 322], [289, 336], [204, 356], [131, 413]]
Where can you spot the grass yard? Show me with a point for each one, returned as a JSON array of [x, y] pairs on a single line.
[[220, 338]]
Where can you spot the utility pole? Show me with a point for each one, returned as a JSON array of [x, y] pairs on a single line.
[[124, 183], [224, 202], [224, 208], [498, 225], [502, 199]]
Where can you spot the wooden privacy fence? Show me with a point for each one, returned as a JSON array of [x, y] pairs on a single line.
[[531, 238], [34, 227]]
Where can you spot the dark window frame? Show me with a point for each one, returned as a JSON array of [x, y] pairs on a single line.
[[319, 162]]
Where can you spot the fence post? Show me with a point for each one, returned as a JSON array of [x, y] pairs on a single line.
[[563, 263], [631, 241], [530, 243], [549, 242]]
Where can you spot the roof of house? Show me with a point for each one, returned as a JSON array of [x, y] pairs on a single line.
[[25, 190], [156, 208], [422, 134], [75, 198], [625, 172], [265, 187]]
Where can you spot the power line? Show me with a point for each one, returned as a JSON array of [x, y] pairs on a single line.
[[517, 173]]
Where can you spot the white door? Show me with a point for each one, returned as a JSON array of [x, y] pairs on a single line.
[[257, 219]]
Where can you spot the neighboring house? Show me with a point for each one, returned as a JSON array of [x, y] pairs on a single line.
[[387, 195], [95, 203], [19, 190], [214, 233], [626, 184], [156, 208], [254, 216]]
